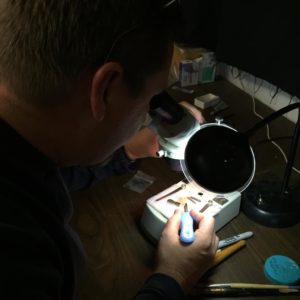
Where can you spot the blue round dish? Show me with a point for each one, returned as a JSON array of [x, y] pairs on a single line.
[[281, 269]]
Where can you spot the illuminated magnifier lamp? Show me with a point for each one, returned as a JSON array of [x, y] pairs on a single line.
[[218, 162], [215, 156], [220, 159], [271, 203]]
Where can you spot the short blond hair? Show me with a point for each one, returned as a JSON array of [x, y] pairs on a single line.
[[46, 44]]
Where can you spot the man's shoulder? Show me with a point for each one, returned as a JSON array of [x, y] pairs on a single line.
[[25, 227], [30, 258], [19, 223]]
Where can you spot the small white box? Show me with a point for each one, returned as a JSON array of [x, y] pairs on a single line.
[[188, 73], [207, 68], [206, 101]]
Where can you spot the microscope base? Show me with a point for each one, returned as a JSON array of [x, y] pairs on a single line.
[[156, 212]]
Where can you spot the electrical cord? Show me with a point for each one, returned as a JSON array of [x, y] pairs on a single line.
[[232, 72], [275, 94], [280, 138], [261, 82], [291, 99], [268, 130], [238, 76]]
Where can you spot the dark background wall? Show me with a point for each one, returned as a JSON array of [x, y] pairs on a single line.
[[259, 37]]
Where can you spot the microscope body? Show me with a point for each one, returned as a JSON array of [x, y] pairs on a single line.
[[173, 138], [173, 124]]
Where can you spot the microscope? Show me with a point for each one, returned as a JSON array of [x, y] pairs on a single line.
[[178, 134], [174, 126]]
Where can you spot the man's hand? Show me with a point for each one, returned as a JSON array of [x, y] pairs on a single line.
[[142, 144], [187, 263], [145, 142], [193, 110]]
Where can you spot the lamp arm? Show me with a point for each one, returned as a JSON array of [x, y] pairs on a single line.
[[265, 201], [291, 156], [294, 142], [272, 117]]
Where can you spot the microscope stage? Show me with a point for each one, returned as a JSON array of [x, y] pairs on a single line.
[[161, 207]]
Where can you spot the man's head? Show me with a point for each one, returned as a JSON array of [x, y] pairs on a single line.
[[46, 44], [47, 47]]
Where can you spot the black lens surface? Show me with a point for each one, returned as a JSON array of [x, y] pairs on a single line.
[[219, 159]]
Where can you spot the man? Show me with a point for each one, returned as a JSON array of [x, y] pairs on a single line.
[[76, 78]]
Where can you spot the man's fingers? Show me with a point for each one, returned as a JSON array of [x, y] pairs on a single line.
[[206, 223], [216, 243], [194, 111], [143, 144], [196, 216], [173, 223]]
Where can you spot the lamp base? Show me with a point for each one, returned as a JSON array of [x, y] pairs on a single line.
[[264, 203]]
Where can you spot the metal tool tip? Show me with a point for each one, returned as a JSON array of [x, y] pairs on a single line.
[[185, 207]]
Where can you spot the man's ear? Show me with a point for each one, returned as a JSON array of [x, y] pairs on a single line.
[[101, 83]]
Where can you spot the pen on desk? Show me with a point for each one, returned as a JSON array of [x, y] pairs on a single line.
[[226, 252], [246, 289], [233, 239]]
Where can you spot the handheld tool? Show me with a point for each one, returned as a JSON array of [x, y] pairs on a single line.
[[187, 231]]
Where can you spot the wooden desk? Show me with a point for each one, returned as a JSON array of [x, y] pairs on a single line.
[[120, 257]]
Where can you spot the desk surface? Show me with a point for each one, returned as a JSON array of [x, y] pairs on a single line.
[[119, 255]]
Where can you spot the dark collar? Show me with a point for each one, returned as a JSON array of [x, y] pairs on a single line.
[[30, 170]]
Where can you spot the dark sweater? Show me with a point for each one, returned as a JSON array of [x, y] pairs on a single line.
[[41, 257]]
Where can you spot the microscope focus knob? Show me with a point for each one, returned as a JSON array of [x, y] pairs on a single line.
[[219, 120]]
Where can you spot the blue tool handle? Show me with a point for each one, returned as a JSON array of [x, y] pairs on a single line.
[[187, 230]]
